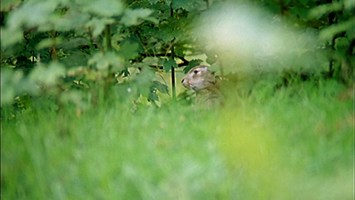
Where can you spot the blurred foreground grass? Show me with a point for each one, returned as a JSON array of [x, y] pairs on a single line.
[[292, 143]]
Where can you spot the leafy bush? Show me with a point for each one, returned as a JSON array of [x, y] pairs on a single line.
[[77, 43]]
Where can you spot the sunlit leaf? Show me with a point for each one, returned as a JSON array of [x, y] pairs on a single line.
[[150, 60], [48, 75], [136, 16], [9, 83], [31, 14], [329, 32], [105, 8], [10, 36], [14, 83], [349, 4], [98, 25], [8, 4], [49, 42], [72, 19], [324, 9], [104, 61], [75, 97]]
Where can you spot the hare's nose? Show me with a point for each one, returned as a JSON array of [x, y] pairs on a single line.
[[184, 82]]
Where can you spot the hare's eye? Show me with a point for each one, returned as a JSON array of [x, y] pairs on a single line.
[[195, 71]]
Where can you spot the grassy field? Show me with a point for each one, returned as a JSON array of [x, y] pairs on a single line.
[[295, 142]]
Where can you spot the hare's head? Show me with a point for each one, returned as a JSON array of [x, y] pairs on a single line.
[[199, 78]]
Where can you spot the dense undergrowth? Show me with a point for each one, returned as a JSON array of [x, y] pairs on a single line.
[[293, 142]]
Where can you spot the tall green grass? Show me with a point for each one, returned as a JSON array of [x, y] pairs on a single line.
[[290, 143]]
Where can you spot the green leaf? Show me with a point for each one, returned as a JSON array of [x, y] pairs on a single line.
[[14, 83], [129, 49], [98, 25], [168, 64], [105, 61], [143, 81], [349, 4], [153, 96], [150, 61], [9, 82], [49, 42], [75, 58], [160, 87], [75, 97], [189, 5], [48, 75], [72, 43], [10, 37], [6, 5], [71, 20], [153, 1], [342, 43], [329, 32], [31, 14], [194, 62], [104, 8], [136, 16], [323, 9], [169, 30]]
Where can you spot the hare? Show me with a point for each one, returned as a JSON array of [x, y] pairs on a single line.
[[204, 83]]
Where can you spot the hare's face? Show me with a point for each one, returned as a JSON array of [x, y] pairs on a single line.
[[198, 78]]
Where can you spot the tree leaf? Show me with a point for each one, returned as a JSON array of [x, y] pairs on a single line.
[[31, 14], [70, 20], [104, 8], [169, 63], [323, 9], [153, 96], [48, 75], [161, 87], [189, 5], [98, 25], [10, 37], [136, 16], [6, 5], [9, 82], [104, 61], [330, 31], [49, 42], [129, 49]]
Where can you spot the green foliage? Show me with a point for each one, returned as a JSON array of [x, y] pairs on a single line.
[[106, 38], [168, 64], [104, 61], [134, 17]]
